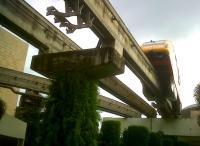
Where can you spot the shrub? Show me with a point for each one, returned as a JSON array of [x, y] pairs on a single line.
[[29, 111], [110, 133], [135, 135], [182, 143], [155, 139], [168, 142], [70, 118]]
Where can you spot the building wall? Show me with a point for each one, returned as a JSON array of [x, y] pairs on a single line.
[[13, 53], [194, 113]]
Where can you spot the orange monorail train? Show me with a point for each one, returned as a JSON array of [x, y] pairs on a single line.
[[161, 55]]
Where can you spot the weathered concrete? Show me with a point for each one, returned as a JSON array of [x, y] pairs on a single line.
[[22, 80], [115, 107], [95, 63], [26, 22], [12, 78], [113, 32], [121, 91], [20, 18]]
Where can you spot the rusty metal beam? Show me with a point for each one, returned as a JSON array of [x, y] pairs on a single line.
[[26, 22], [11, 78]]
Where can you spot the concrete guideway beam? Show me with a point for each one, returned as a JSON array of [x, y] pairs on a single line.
[[26, 22], [115, 107], [23, 20], [109, 25], [94, 63], [12, 78], [125, 94], [18, 79]]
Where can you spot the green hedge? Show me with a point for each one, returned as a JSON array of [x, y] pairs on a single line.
[[182, 143], [110, 133], [168, 142], [2, 108], [155, 139], [70, 118], [135, 136]]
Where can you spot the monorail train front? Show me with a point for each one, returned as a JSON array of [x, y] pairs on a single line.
[[162, 57]]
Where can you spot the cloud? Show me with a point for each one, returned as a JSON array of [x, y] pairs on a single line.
[[169, 19]]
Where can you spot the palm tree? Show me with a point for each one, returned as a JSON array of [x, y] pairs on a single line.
[[197, 97], [197, 93], [2, 108]]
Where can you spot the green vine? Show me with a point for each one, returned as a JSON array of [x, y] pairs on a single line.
[[110, 133], [2, 108], [29, 111], [70, 117]]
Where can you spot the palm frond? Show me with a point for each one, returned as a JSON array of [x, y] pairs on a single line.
[[197, 93]]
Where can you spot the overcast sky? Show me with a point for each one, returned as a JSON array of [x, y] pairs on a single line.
[[174, 20], [162, 19]]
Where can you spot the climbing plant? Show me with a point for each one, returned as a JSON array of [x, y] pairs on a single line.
[[29, 111], [135, 135], [70, 117], [110, 133], [2, 108], [155, 139]]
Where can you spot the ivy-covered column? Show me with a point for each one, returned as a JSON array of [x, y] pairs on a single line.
[[70, 117]]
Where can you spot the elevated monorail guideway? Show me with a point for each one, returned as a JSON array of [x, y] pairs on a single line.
[[11, 78], [23, 20], [108, 26]]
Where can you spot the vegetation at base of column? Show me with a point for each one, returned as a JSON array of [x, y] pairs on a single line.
[[168, 142], [155, 139], [29, 111], [137, 135], [2, 108], [70, 117], [110, 133], [182, 143]]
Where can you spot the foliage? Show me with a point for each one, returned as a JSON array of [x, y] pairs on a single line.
[[135, 135], [2, 108], [30, 112], [182, 143], [155, 139], [168, 142], [110, 133], [197, 93], [70, 117]]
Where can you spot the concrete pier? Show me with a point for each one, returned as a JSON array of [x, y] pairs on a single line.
[[95, 63]]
